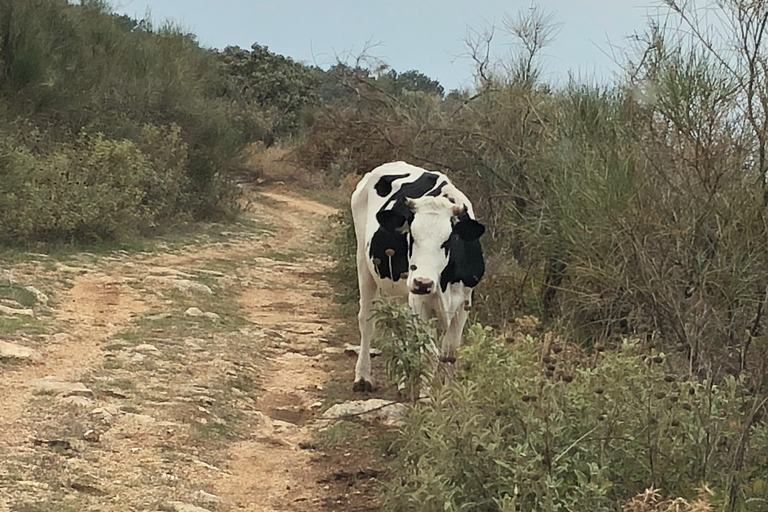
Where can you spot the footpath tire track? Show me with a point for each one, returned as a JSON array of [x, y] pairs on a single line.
[[182, 411], [292, 304]]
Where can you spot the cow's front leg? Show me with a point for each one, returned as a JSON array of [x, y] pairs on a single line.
[[363, 381], [449, 350]]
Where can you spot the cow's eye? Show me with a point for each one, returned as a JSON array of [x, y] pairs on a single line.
[[413, 267]]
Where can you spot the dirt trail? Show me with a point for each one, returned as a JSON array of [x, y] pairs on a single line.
[[93, 310], [289, 303], [202, 371]]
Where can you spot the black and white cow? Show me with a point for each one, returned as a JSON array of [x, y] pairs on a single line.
[[417, 237]]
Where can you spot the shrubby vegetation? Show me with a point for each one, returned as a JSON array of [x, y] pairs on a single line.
[[111, 126], [542, 425], [631, 219]]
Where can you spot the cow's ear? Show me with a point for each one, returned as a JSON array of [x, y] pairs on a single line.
[[391, 220], [469, 229]]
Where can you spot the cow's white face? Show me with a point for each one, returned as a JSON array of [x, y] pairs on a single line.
[[429, 233]]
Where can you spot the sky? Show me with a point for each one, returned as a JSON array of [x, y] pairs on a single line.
[[426, 35]]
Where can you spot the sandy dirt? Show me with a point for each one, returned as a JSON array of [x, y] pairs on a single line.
[[166, 408]]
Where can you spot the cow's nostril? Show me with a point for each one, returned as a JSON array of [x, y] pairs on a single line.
[[422, 286]]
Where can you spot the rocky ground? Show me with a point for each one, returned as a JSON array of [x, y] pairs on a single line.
[[196, 375]]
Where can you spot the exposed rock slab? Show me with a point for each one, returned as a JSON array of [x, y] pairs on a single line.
[[62, 388], [386, 411], [14, 351]]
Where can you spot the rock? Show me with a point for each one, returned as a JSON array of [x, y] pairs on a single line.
[[40, 297], [144, 419], [159, 316], [51, 385], [333, 350], [197, 312], [60, 267], [105, 414], [168, 271], [194, 312], [206, 497], [14, 351], [79, 401], [6, 310], [264, 425], [91, 436], [179, 506], [351, 350], [184, 285], [214, 317], [146, 347], [388, 412]]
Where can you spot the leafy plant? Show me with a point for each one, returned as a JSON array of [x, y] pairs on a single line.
[[544, 426], [407, 346]]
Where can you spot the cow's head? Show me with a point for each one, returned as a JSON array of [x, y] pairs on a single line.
[[429, 223]]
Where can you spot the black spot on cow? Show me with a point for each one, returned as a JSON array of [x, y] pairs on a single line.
[[383, 187], [436, 191], [393, 218], [465, 260], [417, 188], [394, 266]]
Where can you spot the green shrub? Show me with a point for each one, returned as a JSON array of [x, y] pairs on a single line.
[[343, 249], [407, 344], [514, 434], [95, 189]]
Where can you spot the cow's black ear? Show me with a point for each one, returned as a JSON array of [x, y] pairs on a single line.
[[391, 220], [469, 229]]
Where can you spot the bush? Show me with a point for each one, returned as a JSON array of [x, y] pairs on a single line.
[[69, 69], [541, 426], [95, 189], [408, 346]]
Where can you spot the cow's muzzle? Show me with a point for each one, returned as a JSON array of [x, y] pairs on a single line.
[[422, 286]]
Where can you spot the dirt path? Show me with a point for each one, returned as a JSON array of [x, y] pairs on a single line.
[[187, 377]]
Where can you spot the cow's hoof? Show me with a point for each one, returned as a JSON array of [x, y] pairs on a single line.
[[362, 386], [448, 359]]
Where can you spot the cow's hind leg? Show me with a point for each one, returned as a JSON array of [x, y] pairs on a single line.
[[363, 381]]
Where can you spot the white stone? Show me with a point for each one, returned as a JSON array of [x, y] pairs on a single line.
[[14, 351], [179, 506], [52, 385], [40, 297], [184, 285], [214, 317], [146, 347], [206, 497], [5, 310], [159, 316], [79, 401], [105, 414], [390, 413], [199, 313]]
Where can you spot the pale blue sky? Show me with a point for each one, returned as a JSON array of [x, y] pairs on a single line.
[[426, 35]]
